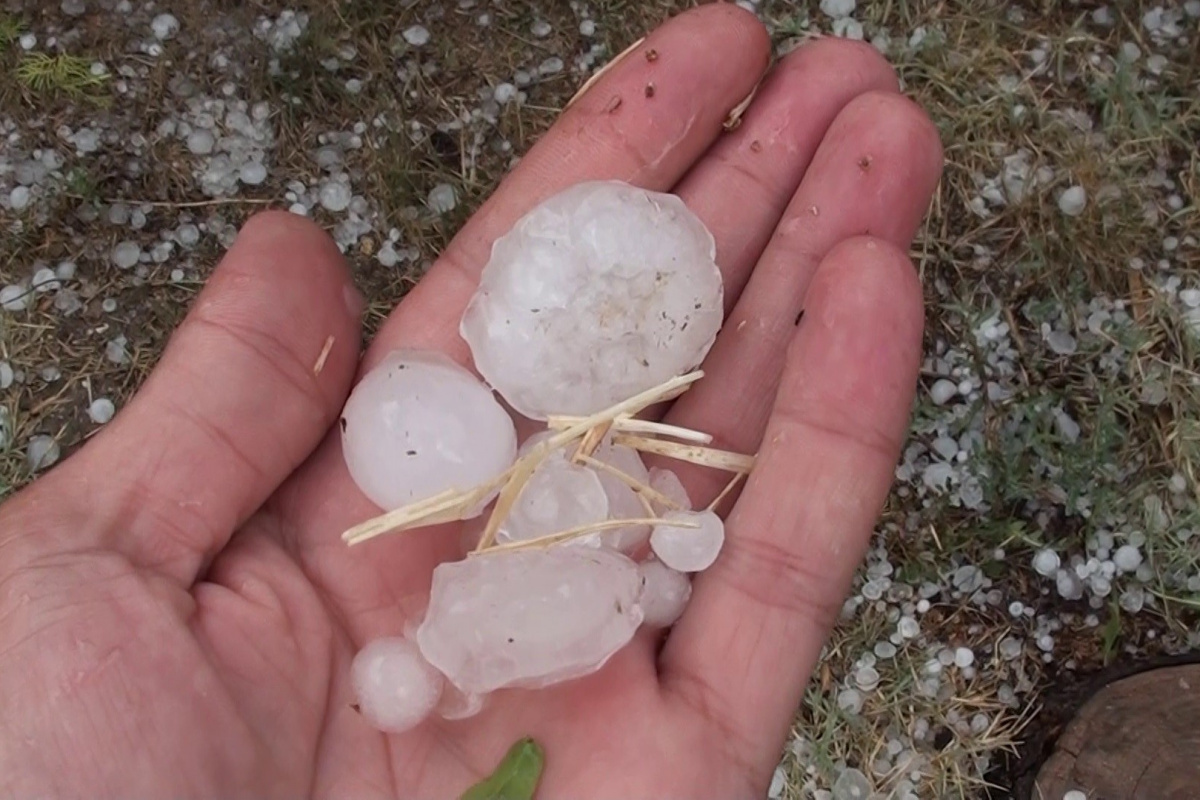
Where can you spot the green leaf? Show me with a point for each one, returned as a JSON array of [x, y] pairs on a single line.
[[517, 776]]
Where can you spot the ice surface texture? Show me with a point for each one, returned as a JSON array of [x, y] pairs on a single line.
[[529, 618], [601, 292], [689, 549], [419, 424], [395, 687]]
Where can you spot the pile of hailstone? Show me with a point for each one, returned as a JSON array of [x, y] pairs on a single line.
[[598, 304]]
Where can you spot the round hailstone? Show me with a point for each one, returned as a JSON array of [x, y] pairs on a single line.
[[623, 502], [665, 593], [420, 424], [335, 196], [43, 452], [102, 410], [1072, 201], [441, 199], [603, 291], [201, 142], [689, 549], [1045, 562], [253, 173], [14, 297], [416, 35], [529, 618], [164, 27], [558, 496], [45, 280], [395, 687], [126, 255], [19, 198]]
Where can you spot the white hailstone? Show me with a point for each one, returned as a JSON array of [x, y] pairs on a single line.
[[541, 29], [884, 650], [1074, 794], [28, 41], [1061, 342], [530, 618], [850, 700], [14, 297], [866, 678], [689, 549], [395, 687], [778, 783], [73, 8], [115, 350], [551, 66], [416, 35], [1016, 608], [1068, 584], [942, 391], [852, 784], [1045, 562], [848, 28], [335, 196], [623, 502], [1133, 600], [1127, 558], [65, 271], [442, 199], [164, 27], [126, 255], [964, 657], [42, 453], [504, 93], [456, 704], [102, 410], [559, 496], [108, 305], [603, 291], [1192, 8], [6, 375], [45, 280], [1072, 201], [252, 173], [19, 198], [588, 27], [419, 424], [665, 593], [1010, 648], [908, 628], [838, 8], [201, 142]]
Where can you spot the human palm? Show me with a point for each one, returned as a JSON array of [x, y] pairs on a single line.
[[178, 612]]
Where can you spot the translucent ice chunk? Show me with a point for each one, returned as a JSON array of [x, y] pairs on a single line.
[[559, 496], [667, 483], [396, 688], [529, 618], [689, 549], [665, 593], [623, 502], [419, 424], [602, 291], [456, 704]]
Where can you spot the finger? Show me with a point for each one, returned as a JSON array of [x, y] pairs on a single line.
[[247, 387], [742, 652], [874, 173], [742, 186], [705, 61]]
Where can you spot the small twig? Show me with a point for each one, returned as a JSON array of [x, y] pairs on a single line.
[[581, 530], [635, 425], [735, 116], [729, 487], [323, 357], [693, 454], [222, 201]]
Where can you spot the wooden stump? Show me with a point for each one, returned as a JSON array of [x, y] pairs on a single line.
[[1136, 739]]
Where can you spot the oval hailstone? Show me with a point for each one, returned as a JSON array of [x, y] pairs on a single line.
[[529, 618], [665, 593], [395, 687], [599, 293], [689, 549], [419, 424]]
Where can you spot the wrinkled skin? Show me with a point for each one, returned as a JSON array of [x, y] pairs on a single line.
[[178, 614]]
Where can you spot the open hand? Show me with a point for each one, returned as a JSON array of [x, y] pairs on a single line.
[[178, 612]]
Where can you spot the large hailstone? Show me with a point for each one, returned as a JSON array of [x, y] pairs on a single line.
[[529, 618], [603, 291], [419, 424], [395, 687]]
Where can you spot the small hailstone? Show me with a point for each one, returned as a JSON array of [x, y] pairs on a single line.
[[335, 196], [689, 549], [1045, 562], [866, 678], [541, 29], [942, 390], [441, 199], [504, 93], [778, 783], [42, 454], [1016, 608], [19, 198], [530, 618], [1061, 342], [252, 173], [852, 784], [1127, 558], [164, 26], [108, 305], [850, 700], [65, 271], [115, 350], [419, 424], [177, 275], [1068, 584], [28, 41], [6, 375], [884, 650], [126, 255], [603, 291], [1133, 599], [664, 595], [73, 8], [1010, 648], [395, 687], [667, 483], [102, 410], [1072, 201], [14, 297], [964, 657], [838, 8], [201, 142], [416, 35], [551, 66], [588, 27], [908, 628], [1074, 794]]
